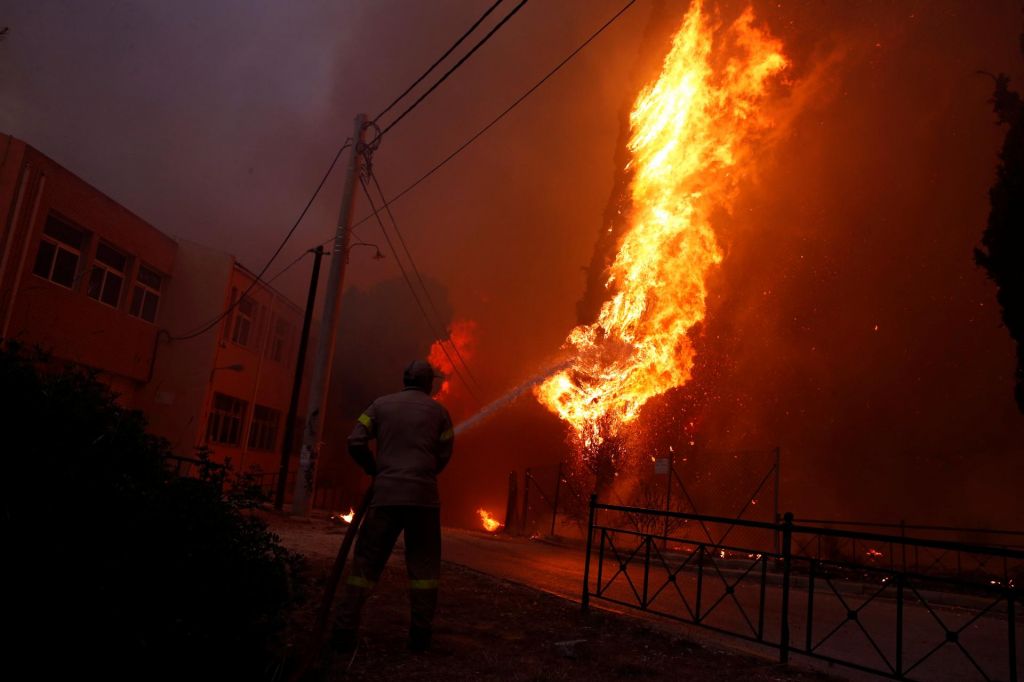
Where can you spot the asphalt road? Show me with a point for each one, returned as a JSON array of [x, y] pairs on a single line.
[[731, 601]]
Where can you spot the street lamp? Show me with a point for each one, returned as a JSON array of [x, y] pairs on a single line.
[[376, 256]]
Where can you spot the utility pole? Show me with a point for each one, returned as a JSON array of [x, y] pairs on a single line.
[[321, 374], [300, 364]]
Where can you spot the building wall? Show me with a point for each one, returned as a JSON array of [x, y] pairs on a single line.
[[64, 319], [174, 399], [176, 367], [263, 340]]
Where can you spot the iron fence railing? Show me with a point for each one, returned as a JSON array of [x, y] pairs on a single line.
[[898, 622], [194, 467]]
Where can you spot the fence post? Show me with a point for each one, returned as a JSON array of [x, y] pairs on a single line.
[[585, 602], [1011, 630], [511, 522], [554, 507], [903, 546], [778, 456], [526, 499], [668, 498], [787, 542], [899, 624]]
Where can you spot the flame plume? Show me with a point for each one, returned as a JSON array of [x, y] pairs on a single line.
[[692, 135]]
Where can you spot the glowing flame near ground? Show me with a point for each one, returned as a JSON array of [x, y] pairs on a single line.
[[490, 523], [347, 518], [692, 137]]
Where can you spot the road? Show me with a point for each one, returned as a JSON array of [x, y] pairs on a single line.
[[869, 639]]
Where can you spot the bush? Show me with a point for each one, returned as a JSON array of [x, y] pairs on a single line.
[[118, 568]]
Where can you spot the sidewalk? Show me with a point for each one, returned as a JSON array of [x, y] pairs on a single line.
[[491, 629]]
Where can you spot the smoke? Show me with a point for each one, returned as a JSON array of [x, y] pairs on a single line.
[[214, 122]]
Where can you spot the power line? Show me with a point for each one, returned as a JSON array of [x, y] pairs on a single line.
[[504, 113], [440, 59], [452, 70], [412, 290], [259, 277], [419, 278]]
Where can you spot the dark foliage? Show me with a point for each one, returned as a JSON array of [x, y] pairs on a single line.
[[114, 567], [1002, 244]]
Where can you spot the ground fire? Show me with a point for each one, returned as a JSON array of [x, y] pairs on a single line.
[[693, 135], [345, 518], [490, 524]]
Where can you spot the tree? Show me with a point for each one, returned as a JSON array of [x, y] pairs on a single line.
[[1002, 244], [114, 567]]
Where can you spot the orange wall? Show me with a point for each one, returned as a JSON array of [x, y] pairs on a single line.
[[263, 381], [65, 321]]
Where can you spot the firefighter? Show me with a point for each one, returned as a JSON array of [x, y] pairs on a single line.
[[414, 444]]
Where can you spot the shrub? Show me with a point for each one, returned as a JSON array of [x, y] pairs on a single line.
[[118, 568]]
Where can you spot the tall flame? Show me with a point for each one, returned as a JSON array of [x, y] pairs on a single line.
[[692, 135]]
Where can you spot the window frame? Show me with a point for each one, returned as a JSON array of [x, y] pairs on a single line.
[[279, 347], [58, 244], [108, 272], [264, 431], [221, 420], [144, 292], [244, 320]]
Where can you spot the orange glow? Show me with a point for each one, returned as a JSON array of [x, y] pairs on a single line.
[[490, 523], [462, 335], [693, 134]]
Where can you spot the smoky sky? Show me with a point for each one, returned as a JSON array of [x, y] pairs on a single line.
[[847, 324]]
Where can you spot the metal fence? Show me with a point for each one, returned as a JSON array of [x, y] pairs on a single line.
[[555, 503], [894, 620]]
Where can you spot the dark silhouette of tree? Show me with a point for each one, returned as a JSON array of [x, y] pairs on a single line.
[[1002, 244]]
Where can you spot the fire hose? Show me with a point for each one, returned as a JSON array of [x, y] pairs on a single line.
[[316, 638]]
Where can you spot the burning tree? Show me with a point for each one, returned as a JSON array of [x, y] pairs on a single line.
[[693, 135], [1002, 243]]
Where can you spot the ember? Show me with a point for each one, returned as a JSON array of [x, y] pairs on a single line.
[[490, 524], [692, 135]]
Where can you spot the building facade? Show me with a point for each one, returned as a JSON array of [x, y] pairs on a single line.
[[180, 331], [223, 379], [80, 275]]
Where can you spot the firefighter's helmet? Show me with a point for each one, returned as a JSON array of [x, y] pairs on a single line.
[[419, 374]]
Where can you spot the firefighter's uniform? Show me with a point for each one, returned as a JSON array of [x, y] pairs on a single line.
[[414, 444]]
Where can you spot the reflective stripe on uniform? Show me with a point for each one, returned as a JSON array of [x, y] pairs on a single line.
[[365, 420], [359, 581], [447, 435], [423, 584]]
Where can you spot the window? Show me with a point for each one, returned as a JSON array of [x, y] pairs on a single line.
[[243, 328], [146, 294], [107, 276], [280, 342], [60, 248], [225, 423], [263, 432]]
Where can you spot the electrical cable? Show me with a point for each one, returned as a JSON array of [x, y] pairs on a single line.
[[415, 296], [452, 70], [202, 329], [440, 59], [419, 278], [504, 113]]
